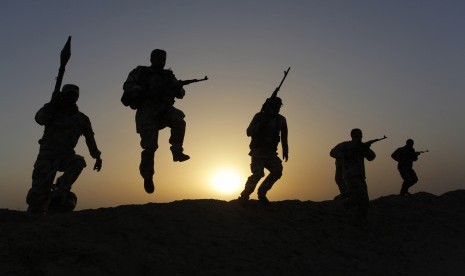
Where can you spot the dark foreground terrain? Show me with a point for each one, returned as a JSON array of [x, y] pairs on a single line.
[[423, 234]]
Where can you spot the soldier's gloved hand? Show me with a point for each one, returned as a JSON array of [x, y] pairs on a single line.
[[285, 156], [98, 164]]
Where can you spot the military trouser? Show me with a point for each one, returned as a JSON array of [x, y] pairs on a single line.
[[339, 178], [273, 164], [174, 119], [410, 178], [45, 169], [357, 196]]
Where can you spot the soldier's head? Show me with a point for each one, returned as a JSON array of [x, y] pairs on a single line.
[[273, 105], [158, 59], [409, 142], [356, 135], [70, 94]]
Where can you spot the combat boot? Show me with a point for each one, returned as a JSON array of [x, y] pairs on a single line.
[[263, 200], [148, 185], [243, 200], [180, 157]]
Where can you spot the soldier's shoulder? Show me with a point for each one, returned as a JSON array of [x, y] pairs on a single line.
[[83, 117], [140, 69], [168, 73], [344, 144]]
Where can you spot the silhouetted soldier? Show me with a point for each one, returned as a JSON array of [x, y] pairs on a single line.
[[353, 154], [64, 124], [267, 128], [152, 91], [405, 156]]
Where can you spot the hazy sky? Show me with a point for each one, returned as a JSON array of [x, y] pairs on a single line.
[[393, 68]]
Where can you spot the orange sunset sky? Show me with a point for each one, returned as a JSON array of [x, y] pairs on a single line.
[[391, 68]]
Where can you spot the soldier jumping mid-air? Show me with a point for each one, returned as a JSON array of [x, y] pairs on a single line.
[[152, 90]]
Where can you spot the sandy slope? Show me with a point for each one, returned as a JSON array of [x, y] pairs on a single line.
[[404, 236]]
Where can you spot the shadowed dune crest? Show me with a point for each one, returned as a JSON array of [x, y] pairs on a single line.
[[422, 233]]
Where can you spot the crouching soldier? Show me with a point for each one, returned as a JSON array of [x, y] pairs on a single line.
[[64, 124]]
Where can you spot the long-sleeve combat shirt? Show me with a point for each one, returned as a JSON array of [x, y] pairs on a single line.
[[63, 127]]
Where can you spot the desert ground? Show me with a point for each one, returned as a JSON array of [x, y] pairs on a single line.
[[422, 234]]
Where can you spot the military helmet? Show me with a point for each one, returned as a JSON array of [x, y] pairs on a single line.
[[157, 54], [275, 101], [70, 88]]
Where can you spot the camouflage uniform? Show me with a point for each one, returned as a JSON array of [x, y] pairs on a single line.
[[352, 155], [63, 127], [156, 90], [405, 156], [266, 131]]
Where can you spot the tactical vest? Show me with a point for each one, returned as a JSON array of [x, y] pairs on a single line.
[[268, 136]]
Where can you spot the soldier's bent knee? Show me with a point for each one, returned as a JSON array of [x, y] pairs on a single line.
[[79, 162], [178, 114], [277, 174], [257, 175]]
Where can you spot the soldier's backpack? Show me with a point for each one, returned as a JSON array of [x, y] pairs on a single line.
[[131, 96]]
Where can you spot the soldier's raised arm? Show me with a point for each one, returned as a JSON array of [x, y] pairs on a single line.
[[45, 114]]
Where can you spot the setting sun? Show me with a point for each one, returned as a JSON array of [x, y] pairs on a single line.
[[226, 181]]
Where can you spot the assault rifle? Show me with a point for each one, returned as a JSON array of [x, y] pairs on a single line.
[[64, 58], [423, 151], [187, 82], [369, 143], [275, 92]]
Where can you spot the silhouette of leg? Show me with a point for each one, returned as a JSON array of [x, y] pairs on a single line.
[[339, 179], [357, 197], [412, 180], [257, 167], [72, 168], [149, 144], [274, 165], [175, 120], [42, 180]]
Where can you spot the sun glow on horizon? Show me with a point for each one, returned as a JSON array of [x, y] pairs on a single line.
[[226, 181]]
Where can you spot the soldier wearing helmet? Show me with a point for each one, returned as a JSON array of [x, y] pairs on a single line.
[[267, 129], [64, 124]]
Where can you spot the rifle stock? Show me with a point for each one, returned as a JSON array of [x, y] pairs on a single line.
[[64, 58]]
